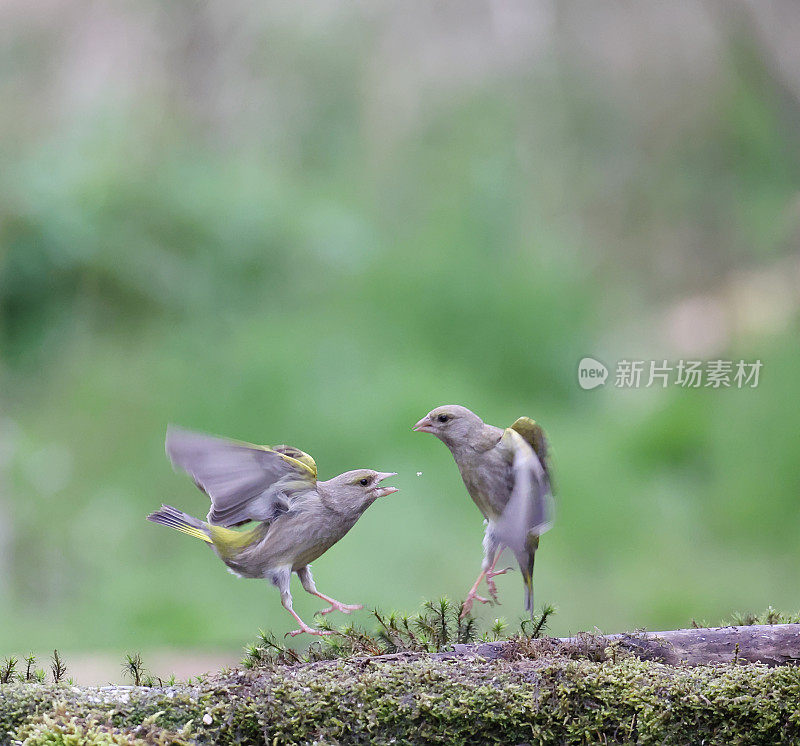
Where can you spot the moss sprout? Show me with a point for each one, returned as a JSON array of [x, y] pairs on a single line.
[[133, 667], [57, 667], [7, 669], [437, 627]]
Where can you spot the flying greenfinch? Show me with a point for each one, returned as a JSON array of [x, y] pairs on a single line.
[[297, 518], [507, 475]]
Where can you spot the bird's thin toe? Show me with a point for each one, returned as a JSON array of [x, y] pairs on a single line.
[[308, 631], [466, 607], [344, 608]]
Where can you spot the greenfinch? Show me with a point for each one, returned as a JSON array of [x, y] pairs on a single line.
[[507, 475], [297, 518]]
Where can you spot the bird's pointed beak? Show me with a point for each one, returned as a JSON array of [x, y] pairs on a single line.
[[384, 491], [423, 426]]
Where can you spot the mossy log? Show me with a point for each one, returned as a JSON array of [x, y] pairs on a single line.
[[588, 689]]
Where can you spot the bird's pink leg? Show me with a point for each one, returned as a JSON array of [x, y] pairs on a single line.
[[492, 573], [281, 579], [473, 596], [307, 579], [336, 605], [305, 628]]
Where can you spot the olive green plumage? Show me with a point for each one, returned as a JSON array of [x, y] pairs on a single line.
[[507, 474], [297, 518]]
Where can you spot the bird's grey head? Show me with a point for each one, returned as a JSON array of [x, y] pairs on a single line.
[[359, 488], [452, 424]]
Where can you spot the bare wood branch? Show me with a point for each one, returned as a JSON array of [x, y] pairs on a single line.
[[772, 644]]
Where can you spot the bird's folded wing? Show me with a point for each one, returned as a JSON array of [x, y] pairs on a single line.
[[530, 507], [245, 482], [533, 433]]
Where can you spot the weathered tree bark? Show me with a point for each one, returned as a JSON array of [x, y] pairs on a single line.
[[772, 644]]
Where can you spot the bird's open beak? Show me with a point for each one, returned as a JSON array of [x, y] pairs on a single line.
[[423, 426], [384, 491]]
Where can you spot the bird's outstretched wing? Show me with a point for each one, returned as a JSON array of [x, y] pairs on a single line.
[[245, 482], [529, 511]]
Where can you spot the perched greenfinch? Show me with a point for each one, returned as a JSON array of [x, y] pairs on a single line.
[[507, 475], [297, 518]]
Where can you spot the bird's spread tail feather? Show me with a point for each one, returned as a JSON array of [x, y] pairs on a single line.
[[180, 521]]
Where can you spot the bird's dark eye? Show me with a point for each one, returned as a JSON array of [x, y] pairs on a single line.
[[443, 418], [363, 481]]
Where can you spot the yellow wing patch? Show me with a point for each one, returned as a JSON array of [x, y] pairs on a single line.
[[291, 455], [297, 458]]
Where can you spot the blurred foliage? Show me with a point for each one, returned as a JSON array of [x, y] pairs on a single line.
[[283, 231]]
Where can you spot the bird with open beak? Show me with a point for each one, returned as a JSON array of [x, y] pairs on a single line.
[[507, 475], [297, 518]]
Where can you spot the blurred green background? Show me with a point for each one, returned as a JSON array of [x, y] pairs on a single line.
[[312, 223]]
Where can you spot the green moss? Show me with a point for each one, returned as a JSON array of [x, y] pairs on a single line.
[[533, 698], [52, 730]]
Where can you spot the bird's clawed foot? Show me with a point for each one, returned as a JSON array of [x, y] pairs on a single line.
[[466, 607], [339, 606], [490, 582], [309, 631]]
